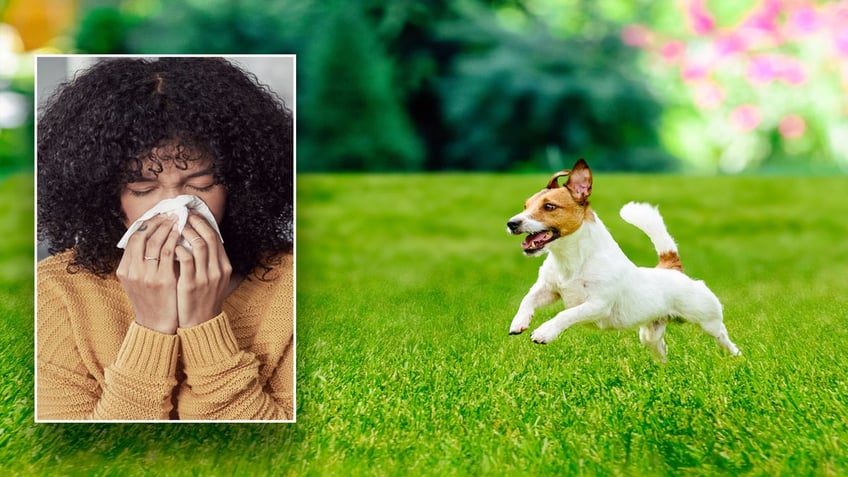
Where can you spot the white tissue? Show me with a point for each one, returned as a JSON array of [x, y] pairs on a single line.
[[179, 206]]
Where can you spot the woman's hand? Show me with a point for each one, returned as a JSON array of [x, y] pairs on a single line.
[[204, 274], [148, 276]]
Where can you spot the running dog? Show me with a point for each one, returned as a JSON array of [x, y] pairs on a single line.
[[597, 283]]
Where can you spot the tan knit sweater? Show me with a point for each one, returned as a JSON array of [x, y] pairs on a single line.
[[95, 362]]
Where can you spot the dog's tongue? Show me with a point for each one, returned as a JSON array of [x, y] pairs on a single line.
[[535, 240]]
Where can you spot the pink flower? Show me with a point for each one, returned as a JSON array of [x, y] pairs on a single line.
[[673, 51], [804, 20], [763, 69], [636, 36], [792, 126], [759, 28], [700, 19], [730, 44], [746, 117], [708, 94], [840, 41], [693, 71], [793, 72], [764, 16]]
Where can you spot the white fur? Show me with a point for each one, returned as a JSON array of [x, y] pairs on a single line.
[[599, 284], [647, 218]]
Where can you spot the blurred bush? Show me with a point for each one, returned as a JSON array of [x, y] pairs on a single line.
[[531, 100], [350, 116], [424, 85], [16, 100]]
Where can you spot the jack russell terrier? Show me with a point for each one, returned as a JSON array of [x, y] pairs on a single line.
[[595, 280]]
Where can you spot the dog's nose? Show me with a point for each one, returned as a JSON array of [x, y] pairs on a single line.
[[513, 225]]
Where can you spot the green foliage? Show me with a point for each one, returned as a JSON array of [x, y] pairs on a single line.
[[350, 114], [526, 99], [16, 144], [16, 148], [436, 85], [103, 30], [213, 27]]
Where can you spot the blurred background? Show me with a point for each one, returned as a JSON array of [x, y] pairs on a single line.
[[691, 86]]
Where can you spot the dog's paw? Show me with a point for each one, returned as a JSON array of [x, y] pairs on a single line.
[[519, 325], [544, 334]]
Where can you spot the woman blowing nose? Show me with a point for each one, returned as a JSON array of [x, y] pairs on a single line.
[[178, 324]]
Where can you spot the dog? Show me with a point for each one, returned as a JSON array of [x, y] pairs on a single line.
[[597, 283]]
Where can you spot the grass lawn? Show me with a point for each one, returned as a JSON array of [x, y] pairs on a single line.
[[406, 288]]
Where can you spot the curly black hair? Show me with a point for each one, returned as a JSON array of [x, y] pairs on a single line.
[[97, 131]]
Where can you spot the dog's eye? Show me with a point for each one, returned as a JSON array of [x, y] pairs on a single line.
[[550, 206]]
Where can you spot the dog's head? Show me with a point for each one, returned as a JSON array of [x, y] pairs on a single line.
[[556, 211]]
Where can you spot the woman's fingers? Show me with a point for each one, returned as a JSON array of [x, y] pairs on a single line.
[[137, 242], [199, 250], [158, 251], [202, 227], [166, 253], [147, 274], [186, 261], [207, 235], [204, 273]]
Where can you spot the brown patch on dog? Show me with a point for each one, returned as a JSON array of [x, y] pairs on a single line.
[[561, 209], [553, 182], [670, 260], [556, 208]]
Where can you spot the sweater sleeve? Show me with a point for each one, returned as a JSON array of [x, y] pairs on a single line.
[[136, 386], [140, 382], [222, 381]]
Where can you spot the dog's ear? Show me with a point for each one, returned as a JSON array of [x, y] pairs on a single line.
[[580, 182], [553, 184]]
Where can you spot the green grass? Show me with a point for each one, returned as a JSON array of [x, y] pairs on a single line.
[[406, 288], [16, 318]]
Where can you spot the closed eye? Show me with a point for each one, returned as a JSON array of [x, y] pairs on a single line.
[[203, 189], [140, 193]]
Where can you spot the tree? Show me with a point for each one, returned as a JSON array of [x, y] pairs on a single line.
[[351, 115]]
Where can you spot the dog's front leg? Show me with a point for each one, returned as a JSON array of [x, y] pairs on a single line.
[[585, 312], [540, 294]]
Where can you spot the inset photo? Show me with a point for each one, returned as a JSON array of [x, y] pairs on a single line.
[[165, 236]]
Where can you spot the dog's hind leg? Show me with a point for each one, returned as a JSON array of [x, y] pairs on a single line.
[[652, 337], [716, 329], [702, 307]]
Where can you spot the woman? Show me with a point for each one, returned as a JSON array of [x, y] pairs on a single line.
[[177, 325]]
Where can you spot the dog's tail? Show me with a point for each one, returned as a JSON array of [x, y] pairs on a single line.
[[648, 219]]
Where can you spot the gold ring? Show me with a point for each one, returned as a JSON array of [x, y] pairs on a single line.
[[151, 258]]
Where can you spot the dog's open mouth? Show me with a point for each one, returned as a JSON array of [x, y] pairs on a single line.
[[536, 241]]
